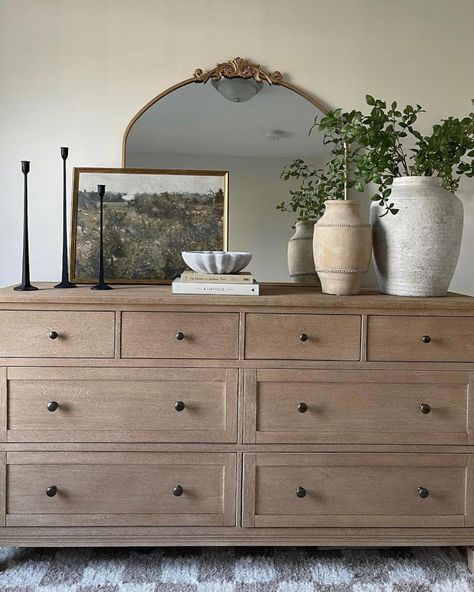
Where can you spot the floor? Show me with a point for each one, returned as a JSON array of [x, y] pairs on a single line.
[[235, 570]]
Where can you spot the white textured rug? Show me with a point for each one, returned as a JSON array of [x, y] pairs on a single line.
[[234, 570]]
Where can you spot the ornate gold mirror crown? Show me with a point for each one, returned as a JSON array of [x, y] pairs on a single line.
[[238, 68]]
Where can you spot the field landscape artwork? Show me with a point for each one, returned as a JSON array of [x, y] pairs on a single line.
[[150, 216]]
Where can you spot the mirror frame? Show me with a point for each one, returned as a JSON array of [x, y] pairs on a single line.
[[235, 68]]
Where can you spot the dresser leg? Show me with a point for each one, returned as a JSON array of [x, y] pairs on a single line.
[[470, 559]]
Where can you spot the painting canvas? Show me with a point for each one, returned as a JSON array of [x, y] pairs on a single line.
[[150, 216]]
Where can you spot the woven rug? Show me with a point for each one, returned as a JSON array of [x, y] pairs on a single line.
[[234, 570]]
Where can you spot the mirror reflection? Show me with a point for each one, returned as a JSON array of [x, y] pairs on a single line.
[[250, 129]]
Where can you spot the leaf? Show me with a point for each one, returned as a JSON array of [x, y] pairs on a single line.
[[370, 100]]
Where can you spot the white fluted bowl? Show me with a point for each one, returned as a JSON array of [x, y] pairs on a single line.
[[216, 261]]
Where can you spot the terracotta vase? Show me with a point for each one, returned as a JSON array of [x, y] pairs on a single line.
[[300, 255], [417, 249], [342, 247]]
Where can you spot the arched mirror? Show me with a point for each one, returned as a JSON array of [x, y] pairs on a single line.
[[241, 119]]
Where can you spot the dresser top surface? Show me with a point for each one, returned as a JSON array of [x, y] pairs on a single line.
[[271, 295]]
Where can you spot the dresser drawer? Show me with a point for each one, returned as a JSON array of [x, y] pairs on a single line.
[[121, 405], [302, 337], [356, 490], [56, 334], [420, 339], [355, 407], [180, 335], [120, 488]]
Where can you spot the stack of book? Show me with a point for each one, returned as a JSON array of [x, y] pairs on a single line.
[[238, 284]]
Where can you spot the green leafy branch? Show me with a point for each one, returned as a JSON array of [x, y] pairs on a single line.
[[393, 147]]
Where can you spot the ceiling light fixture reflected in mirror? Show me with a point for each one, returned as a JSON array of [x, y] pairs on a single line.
[[237, 90], [277, 134]]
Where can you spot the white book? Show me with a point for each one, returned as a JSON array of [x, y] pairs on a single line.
[[190, 277], [241, 289]]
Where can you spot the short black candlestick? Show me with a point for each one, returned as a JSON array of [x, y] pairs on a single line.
[[25, 285], [65, 283], [101, 285]]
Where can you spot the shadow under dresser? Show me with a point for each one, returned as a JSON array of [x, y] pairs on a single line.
[[137, 417]]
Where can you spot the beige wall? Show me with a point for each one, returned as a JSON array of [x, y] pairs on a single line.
[[74, 72]]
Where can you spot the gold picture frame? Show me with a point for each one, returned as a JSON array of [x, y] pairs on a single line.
[[138, 226]]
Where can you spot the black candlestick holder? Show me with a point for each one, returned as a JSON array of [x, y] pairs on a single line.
[[25, 285], [65, 283], [101, 285]]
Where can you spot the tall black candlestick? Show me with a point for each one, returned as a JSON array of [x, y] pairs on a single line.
[[65, 283], [25, 285], [101, 285]]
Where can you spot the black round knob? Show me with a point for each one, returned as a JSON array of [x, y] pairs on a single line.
[[300, 492], [426, 339], [178, 491], [51, 491], [52, 406], [302, 407], [180, 336], [304, 337], [425, 408], [423, 492], [53, 334], [179, 405]]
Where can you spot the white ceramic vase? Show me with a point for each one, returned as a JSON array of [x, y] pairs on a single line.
[[300, 255], [342, 247], [417, 249]]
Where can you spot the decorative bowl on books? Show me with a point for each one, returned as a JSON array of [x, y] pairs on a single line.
[[216, 261]]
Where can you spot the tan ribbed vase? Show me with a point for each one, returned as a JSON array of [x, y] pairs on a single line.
[[342, 247]]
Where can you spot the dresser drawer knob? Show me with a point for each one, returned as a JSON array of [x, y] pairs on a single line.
[[52, 406], [426, 339], [180, 336], [51, 491], [178, 491], [423, 492], [425, 408], [53, 334], [302, 407], [304, 337], [179, 406], [300, 492]]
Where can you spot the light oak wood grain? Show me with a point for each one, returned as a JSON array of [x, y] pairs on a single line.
[[3, 488], [203, 536], [272, 295], [470, 558], [362, 490], [400, 339], [3, 404], [25, 334], [278, 336], [205, 335], [342, 408], [122, 405], [141, 484], [121, 429]]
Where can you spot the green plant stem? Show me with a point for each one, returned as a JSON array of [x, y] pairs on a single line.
[[399, 149], [346, 170]]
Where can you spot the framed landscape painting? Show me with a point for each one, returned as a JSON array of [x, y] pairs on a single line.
[[150, 216]]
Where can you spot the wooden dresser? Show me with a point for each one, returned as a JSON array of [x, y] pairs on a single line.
[[137, 417]]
